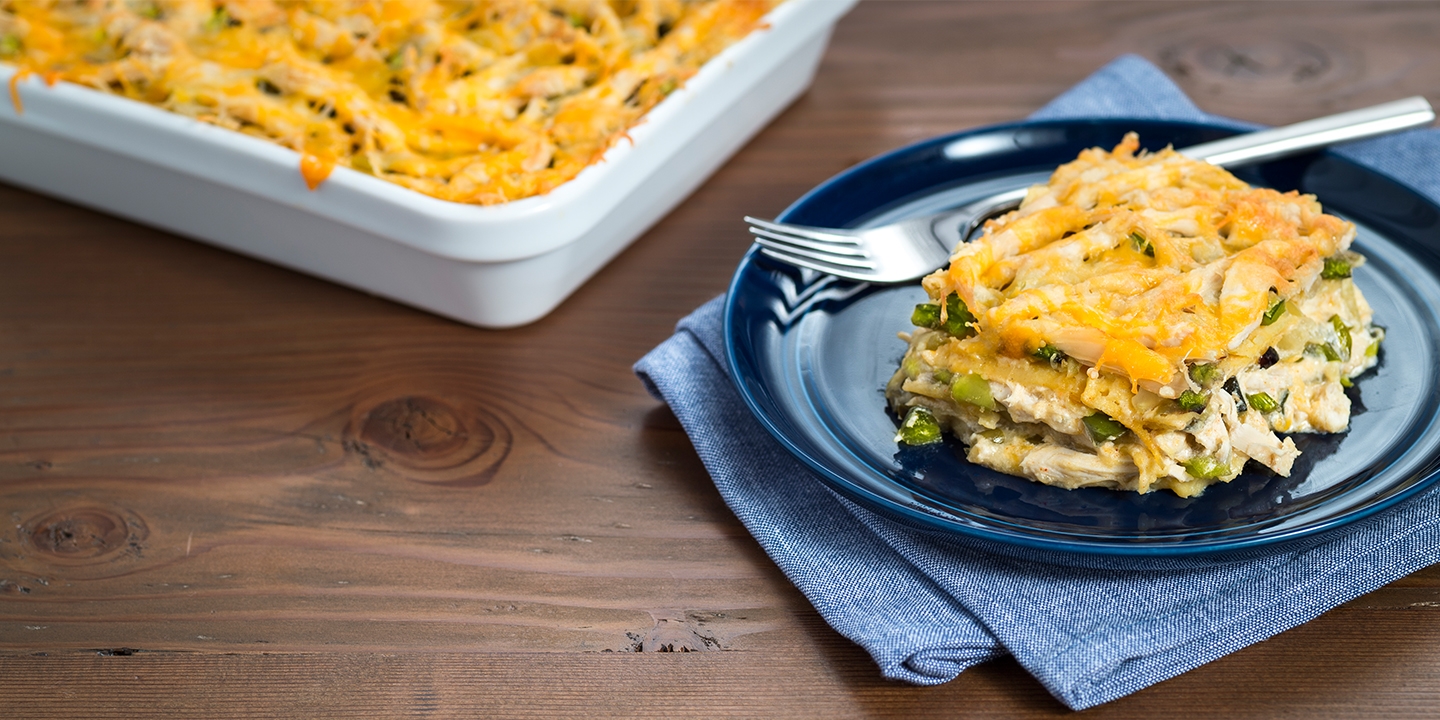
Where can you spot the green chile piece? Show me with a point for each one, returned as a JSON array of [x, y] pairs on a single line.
[[218, 20], [1202, 467], [926, 315], [912, 367], [973, 389], [1325, 349], [919, 428], [1050, 354], [1204, 373], [1102, 427], [1142, 244], [1273, 313], [1263, 402], [958, 320], [1192, 401], [1343, 331], [1335, 269]]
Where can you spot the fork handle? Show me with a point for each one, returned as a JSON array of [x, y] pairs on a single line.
[[1312, 134]]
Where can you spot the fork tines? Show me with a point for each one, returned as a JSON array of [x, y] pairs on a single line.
[[814, 248]]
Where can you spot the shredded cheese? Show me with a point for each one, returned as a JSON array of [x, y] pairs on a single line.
[[476, 102], [1139, 264], [15, 81]]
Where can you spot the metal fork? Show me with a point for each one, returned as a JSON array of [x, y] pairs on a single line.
[[913, 248]]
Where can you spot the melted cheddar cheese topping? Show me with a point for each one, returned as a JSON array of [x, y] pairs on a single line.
[[1139, 264], [476, 102], [1096, 301]]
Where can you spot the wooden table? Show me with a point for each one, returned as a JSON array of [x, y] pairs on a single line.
[[236, 490]]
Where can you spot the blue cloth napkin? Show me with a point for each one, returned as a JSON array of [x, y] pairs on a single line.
[[928, 605]]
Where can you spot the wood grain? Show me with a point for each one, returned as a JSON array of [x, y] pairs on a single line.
[[238, 491]]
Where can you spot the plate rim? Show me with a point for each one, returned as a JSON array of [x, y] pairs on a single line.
[[1315, 531]]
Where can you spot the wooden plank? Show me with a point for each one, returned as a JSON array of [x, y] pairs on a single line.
[[273, 495], [1341, 666]]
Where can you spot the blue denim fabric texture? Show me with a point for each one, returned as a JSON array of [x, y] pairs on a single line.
[[926, 605]]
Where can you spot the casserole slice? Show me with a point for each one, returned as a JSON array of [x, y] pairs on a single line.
[[1143, 321]]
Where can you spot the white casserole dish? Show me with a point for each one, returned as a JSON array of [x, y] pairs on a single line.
[[492, 266]]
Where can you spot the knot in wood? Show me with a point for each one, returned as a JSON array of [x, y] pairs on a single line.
[[1287, 61], [1258, 64], [79, 533], [454, 442], [422, 429], [677, 635]]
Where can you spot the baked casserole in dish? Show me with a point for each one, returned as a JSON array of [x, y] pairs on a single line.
[[479, 160]]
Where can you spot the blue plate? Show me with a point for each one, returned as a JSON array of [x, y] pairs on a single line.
[[811, 356]]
